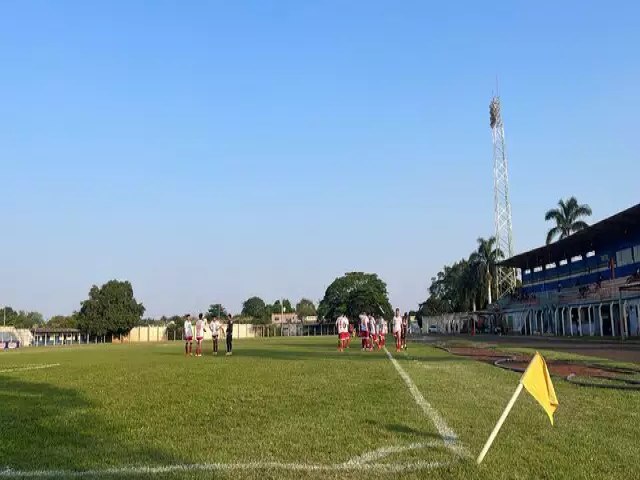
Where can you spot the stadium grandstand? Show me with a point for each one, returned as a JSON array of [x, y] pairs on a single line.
[[585, 284]]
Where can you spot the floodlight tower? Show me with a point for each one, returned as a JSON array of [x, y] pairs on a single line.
[[506, 280]]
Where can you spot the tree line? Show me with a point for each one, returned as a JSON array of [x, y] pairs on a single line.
[[113, 309]]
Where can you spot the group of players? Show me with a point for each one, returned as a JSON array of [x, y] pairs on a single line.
[[372, 331], [216, 327]]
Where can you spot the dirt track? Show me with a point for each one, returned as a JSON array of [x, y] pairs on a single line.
[[623, 352]]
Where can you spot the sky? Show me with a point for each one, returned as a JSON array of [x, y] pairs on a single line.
[[211, 151]]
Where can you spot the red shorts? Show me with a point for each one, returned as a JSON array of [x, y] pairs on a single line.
[[188, 339], [199, 339], [375, 337], [343, 335], [364, 334]]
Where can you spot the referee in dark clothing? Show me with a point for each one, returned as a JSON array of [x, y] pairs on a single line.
[[229, 335]]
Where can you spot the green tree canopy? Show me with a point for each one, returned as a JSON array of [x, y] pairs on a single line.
[[254, 307], [217, 310], [466, 284], [110, 309], [305, 308], [567, 218], [21, 318], [353, 294], [277, 307], [63, 321]]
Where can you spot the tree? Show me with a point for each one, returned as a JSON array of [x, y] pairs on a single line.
[[217, 310], [353, 294], [110, 309], [63, 321], [485, 259], [567, 217], [305, 308], [277, 307], [20, 319], [254, 307]]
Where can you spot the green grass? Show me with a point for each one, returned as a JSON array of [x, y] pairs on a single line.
[[296, 400]]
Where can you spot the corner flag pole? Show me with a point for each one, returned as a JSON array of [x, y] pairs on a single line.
[[496, 429]]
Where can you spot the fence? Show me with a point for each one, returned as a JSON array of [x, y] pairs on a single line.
[[154, 334]]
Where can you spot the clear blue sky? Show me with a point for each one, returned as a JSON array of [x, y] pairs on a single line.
[[209, 151]]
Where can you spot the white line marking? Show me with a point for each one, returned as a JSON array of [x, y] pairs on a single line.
[[212, 467], [33, 367], [448, 435], [386, 451]]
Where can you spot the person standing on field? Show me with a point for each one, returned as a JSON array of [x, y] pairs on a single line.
[[200, 328], [188, 334], [215, 326], [397, 329], [229, 335], [405, 330], [383, 329], [364, 330], [342, 325], [373, 333]]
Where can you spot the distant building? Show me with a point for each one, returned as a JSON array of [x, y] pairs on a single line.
[[284, 318], [310, 319]]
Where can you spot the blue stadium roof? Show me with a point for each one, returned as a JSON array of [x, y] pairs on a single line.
[[618, 227]]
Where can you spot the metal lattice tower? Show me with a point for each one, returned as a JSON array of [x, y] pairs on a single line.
[[506, 280]]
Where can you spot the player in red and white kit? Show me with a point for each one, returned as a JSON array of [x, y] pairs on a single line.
[[397, 329], [373, 333], [187, 330], [342, 325], [200, 323], [383, 330], [364, 330]]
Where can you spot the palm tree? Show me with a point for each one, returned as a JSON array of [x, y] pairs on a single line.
[[485, 258], [567, 217]]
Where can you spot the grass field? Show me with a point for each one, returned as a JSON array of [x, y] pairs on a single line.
[[295, 408]]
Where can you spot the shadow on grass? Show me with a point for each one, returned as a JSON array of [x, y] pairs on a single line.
[[46, 427]]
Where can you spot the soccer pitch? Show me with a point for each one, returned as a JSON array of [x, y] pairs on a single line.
[[292, 408]]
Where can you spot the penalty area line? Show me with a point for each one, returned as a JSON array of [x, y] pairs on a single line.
[[448, 435]]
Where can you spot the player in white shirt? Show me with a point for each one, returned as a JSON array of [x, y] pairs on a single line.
[[373, 333], [397, 329], [215, 326], [200, 329], [188, 334], [342, 325], [364, 330], [383, 329]]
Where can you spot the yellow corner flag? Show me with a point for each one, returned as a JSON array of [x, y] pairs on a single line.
[[537, 381]]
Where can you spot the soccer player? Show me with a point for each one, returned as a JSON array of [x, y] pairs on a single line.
[[405, 330], [215, 328], [364, 330], [229, 335], [383, 329], [373, 333], [352, 332], [200, 328], [188, 334], [397, 329], [342, 325]]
